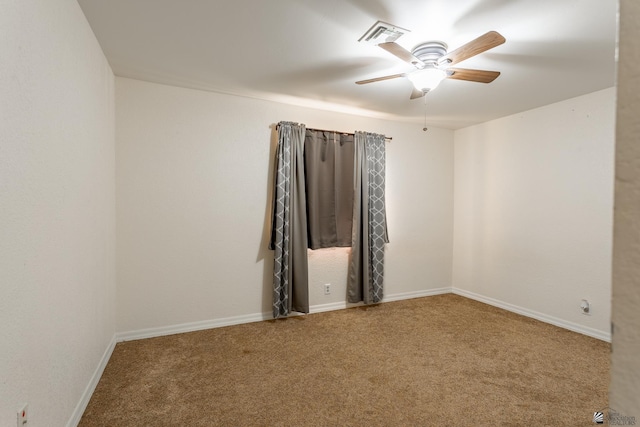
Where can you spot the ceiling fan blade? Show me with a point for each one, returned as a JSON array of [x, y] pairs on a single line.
[[377, 79], [402, 53], [417, 94], [480, 76], [481, 44]]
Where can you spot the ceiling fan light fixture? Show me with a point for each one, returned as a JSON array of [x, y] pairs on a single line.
[[427, 79]]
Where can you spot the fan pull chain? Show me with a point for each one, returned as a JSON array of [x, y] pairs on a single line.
[[425, 114]]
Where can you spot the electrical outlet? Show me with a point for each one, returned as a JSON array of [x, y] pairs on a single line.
[[327, 288], [585, 306], [23, 416]]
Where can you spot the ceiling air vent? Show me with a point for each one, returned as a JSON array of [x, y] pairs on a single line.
[[382, 32]]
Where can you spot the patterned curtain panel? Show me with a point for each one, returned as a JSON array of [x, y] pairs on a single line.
[[369, 234], [289, 224]]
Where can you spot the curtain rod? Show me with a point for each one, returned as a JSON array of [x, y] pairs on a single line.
[[388, 138]]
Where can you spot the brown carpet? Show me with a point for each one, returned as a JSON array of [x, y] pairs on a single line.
[[436, 361]]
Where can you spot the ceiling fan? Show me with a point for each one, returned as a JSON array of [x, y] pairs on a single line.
[[433, 63]]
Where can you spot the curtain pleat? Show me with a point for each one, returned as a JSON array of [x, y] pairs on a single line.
[[289, 225], [344, 190], [369, 233]]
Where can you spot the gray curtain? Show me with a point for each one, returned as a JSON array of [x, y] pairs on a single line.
[[289, 225], [366, 265], [329, 172]]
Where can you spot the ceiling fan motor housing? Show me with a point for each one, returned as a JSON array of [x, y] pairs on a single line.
[[430, 52]]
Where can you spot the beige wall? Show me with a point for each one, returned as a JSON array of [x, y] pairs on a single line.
[[625, 372], [193, 197], [57, 214], [533, 211], [194, 173]]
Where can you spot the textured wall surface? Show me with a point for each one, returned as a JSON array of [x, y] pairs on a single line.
[[625, 369], [534, 209], [194, 172], [57, 214]]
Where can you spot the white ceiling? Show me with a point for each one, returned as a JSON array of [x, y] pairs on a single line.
[[306, 52]]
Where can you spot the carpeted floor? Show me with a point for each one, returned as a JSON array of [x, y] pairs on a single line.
[[436, 361]]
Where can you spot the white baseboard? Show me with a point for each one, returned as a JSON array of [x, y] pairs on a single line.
[[257, 317], [88, 391], [320, 308], [416, 294], [191, 327], [575, 327]]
